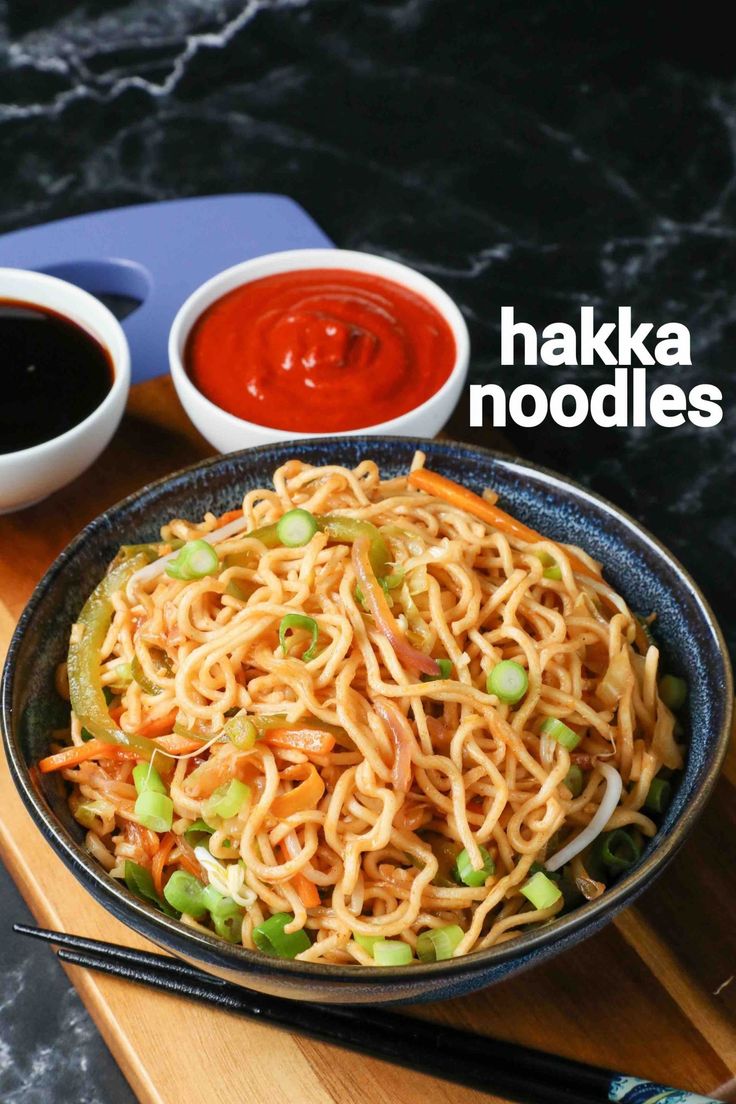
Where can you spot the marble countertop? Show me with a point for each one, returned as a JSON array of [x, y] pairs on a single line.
[[520, 156]]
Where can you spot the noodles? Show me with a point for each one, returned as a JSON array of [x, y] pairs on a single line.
[[325, 742]]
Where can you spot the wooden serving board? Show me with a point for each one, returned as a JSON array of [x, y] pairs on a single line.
[[650, 995]]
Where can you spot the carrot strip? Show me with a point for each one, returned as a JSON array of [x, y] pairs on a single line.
[[308, 892], [456, 495], [309, 740], [304, 796], [407, 655], [93, 749], [158, 726], [159, 861], [179, 745], [228, 516], [187, 859]]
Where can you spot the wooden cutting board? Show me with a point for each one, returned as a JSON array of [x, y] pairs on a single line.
[[651, 995]]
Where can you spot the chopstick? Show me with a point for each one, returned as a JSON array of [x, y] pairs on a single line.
[[477, 1061]]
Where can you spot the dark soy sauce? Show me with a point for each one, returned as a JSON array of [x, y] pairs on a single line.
[[53, 374]]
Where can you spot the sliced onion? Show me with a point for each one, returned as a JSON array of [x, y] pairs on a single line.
[[604, 812], [403, 741]]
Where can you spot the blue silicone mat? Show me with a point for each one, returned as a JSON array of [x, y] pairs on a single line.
[[159, 253]]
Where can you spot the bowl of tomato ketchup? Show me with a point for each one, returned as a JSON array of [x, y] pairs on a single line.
[[314, 343]]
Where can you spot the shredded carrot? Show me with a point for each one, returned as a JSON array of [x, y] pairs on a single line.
[[456, 495], [157, 726], [187, 859], [309, 740], [159, 861], [308, 892], [304, 796], [228, 516], [179, 745], [116, 713], [93, 749]]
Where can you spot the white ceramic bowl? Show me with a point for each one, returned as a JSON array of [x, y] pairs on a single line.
[[28, 475], [227, 432]]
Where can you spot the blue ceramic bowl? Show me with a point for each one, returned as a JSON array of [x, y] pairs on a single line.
[[635, 563]]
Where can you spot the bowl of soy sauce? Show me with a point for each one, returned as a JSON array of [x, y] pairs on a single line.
[[65, 373]]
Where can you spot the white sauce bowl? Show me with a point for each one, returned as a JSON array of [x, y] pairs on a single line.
[[31, 474], [228, 433]]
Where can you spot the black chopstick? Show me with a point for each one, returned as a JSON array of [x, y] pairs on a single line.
[[116, 952], [477, 1061]]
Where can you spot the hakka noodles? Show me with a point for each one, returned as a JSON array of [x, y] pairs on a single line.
[[364, 720]]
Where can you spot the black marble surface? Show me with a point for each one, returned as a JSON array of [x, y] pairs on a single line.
[[541, 155]]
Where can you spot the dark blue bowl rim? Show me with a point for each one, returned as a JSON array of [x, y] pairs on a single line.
[[576, 924]]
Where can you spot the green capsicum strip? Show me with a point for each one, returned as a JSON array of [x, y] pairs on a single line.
[[345, 530], [85, 686]]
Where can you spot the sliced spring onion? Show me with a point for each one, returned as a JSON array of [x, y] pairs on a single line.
[[541, 891], [217, 904], [230, 926], [554, 572], [123, 675], [197, 832], [140, 881], [392, 952], [155, 811], [558, 731], [659, 795], [91, 814], [574, 780], [271, 938], [299, 621], [603, 814], [146, 777], [673, 691], [234, 590], [241, 732], [467, 874], [618, 850], [195, 560], [296, 528], [227, 800], [367, 942], [508, 681], [445, 666], [438, 944], [185, 893]]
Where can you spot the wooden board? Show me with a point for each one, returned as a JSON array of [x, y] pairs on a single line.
[[645, 996]]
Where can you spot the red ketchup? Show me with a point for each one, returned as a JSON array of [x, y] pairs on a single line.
[[320, 350]]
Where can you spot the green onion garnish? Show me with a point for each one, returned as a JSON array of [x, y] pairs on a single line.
[[466, 873], [392, 952], [271, 938], [554, 572], [155, 810], [445, 666], [139, 881], [241, 732], [296, 528], [541, 891], [438, 944], [146, 777], [558, 731], [659, 795], [227, 800], [196, 833], [368, 942], [123, 675], [508, 681], [618, 850], [673, 691], [184, 892], [574, 780], [229, 927], [299, 621], [195, 560]]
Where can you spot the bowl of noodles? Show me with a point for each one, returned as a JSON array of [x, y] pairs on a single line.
[[364, 720]]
